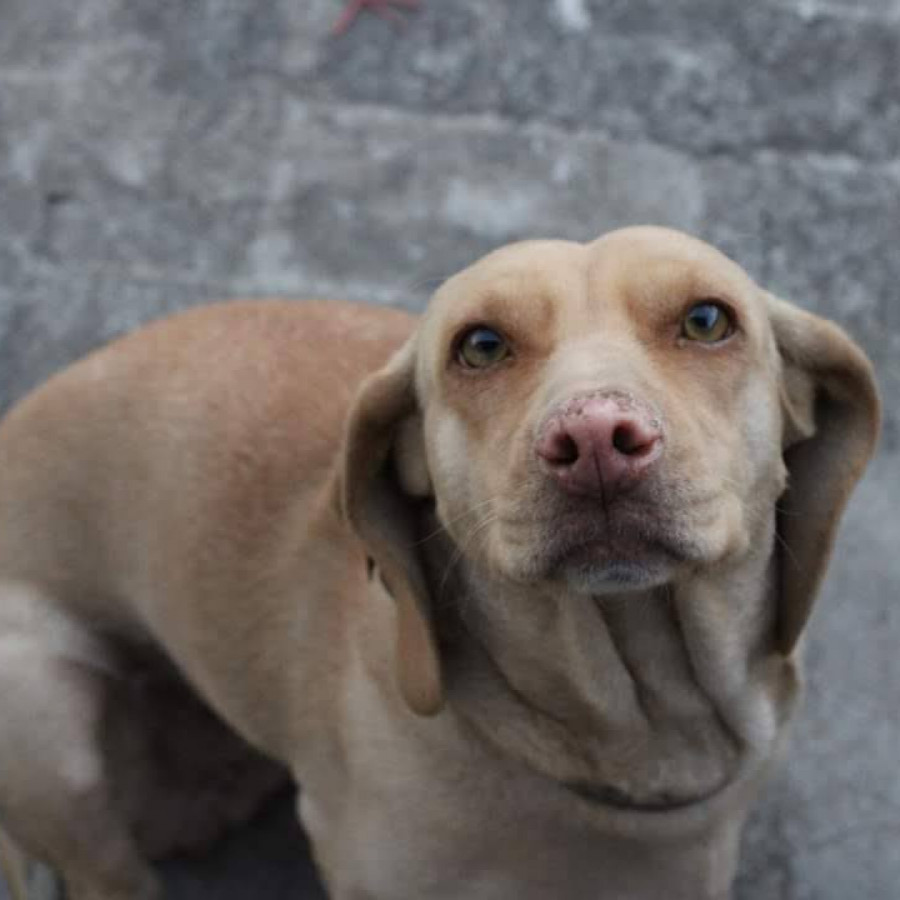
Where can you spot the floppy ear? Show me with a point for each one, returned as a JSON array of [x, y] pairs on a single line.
[[831, 422], [384, 473]]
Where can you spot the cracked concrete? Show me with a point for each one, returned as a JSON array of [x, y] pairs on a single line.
[[155, 155]]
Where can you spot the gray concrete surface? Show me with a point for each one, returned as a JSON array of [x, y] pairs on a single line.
[[156, 154]]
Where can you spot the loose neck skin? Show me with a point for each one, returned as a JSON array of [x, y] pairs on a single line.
[[654, 698]]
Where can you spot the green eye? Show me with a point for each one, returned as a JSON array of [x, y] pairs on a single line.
[[708, 323], [482, 347]]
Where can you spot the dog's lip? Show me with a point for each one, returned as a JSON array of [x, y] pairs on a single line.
[[633, 545], [615, 548], [578, 522], [613, 798]]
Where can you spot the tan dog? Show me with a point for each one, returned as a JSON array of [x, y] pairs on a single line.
[[522, 618]]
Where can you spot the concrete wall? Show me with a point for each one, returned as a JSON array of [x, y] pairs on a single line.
[[156, 154]]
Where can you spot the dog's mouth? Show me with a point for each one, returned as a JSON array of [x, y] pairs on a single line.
[[624, 553], [616, 799], [635, 550]]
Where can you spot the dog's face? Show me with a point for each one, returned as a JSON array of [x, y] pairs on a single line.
[[606, 415], [608, 418]]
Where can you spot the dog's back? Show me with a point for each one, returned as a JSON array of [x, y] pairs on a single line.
[[145, 492], [205, 416]]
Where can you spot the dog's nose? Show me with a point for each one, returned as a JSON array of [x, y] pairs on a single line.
[[600, 444]]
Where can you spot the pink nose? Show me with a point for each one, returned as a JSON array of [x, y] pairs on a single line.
[[599, 444]]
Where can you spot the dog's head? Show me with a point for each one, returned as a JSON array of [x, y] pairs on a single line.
[[611, 417]]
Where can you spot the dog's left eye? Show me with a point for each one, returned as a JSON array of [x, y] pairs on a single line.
[[708, 323], [481, 347]]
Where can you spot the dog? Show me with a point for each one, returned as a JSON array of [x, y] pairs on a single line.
[[514, 591]]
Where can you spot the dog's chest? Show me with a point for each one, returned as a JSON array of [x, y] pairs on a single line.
[[448, 822]]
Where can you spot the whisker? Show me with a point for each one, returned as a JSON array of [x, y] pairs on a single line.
[[443, 526], [521, 493], [787, 549], [461, 549]]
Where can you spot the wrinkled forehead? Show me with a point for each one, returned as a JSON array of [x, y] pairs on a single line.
[[563, 288]]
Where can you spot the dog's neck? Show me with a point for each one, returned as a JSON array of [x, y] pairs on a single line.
[[657, 697]]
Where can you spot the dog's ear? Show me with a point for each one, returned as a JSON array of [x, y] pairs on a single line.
[[831, 415], [385, 475]]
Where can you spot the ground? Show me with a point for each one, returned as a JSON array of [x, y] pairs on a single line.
[[154, 155]]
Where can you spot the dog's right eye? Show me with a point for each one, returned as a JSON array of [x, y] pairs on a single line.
[[708, 322], [481, 347]]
